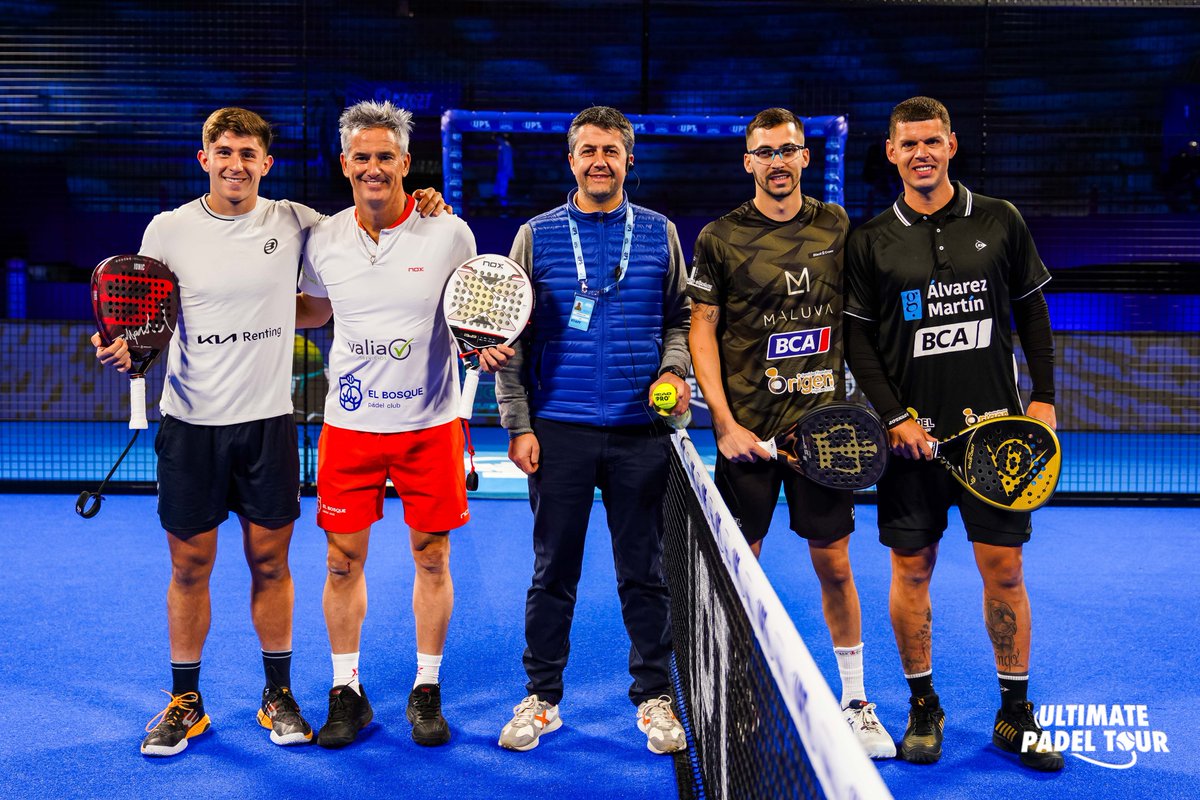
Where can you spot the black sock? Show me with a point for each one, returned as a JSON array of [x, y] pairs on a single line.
[[921, 685], [1014, 689], [277, 664], [185, 677]]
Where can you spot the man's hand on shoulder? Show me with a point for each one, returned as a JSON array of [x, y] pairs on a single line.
[[430, 202]]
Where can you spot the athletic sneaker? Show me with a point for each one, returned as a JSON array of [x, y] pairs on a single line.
[[349, 713], [425, 713], [171, 728], [663, 732], [281, 716], [531, 718], [922, 742], [860, 716], [1016, 725]]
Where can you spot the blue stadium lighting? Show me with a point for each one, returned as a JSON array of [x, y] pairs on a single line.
[[456, 122]]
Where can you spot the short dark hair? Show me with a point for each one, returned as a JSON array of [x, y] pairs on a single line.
[[237, 121], [773, 118], [602, 117], [918, 109]]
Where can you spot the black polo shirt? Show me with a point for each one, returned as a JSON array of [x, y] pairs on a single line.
[[940, 289], [779, 286]]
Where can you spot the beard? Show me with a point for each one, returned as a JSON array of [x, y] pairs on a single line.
[[779, 192]]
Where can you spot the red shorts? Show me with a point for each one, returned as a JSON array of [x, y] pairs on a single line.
[[425, 466]]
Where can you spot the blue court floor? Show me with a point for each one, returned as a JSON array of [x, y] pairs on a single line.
[[1094, 463], [85, 656]]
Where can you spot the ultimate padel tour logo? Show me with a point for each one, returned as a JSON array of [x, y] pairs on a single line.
[[1110, 736]]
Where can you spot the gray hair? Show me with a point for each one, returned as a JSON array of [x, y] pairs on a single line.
[[603, 117], [374, 114]]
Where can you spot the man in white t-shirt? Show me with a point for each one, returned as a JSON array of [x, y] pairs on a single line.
[[392, 409], [227, 441]]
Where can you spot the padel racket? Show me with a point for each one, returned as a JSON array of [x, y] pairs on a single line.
[[134, 298], [487, 302], [839, 445], [1010, 462]]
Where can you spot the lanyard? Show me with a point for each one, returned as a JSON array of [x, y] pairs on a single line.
[[581, 271]]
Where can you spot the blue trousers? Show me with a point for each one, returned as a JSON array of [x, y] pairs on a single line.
[[629, 466]]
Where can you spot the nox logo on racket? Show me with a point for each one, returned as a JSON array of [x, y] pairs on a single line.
[[798, 343]]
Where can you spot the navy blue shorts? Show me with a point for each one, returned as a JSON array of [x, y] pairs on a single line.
[[751, 490], [914, 501], [206, 471]]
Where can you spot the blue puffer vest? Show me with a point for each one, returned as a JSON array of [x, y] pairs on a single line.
[[599, 376]]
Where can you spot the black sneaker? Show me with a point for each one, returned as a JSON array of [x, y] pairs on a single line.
[[281, 716], [1016, 731], [349, 713], [425, 713], [171, 728], [922, 742]]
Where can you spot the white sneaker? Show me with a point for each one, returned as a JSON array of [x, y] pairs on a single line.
[[663, 732], [531, 718], [869, 731]]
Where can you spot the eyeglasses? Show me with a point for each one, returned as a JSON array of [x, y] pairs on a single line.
[[787, 153]]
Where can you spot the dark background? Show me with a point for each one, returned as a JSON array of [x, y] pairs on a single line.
[[1079, 115]]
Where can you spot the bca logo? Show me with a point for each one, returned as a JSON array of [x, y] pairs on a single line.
[[270, 246], [798, 343], [973, 335]]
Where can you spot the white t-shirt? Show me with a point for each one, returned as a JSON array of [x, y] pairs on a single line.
[[393, 366], [231, 356]]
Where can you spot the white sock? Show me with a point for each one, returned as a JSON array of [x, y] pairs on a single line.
[[427, 668], [850, 667], [345, 670]]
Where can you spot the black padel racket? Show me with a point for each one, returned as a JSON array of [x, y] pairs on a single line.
[[487, 302], [840, 445], [1010, 462], [134, 298]]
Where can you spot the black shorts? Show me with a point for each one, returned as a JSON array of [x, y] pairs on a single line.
[[751, 490], [206, 471], [915, 496]]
